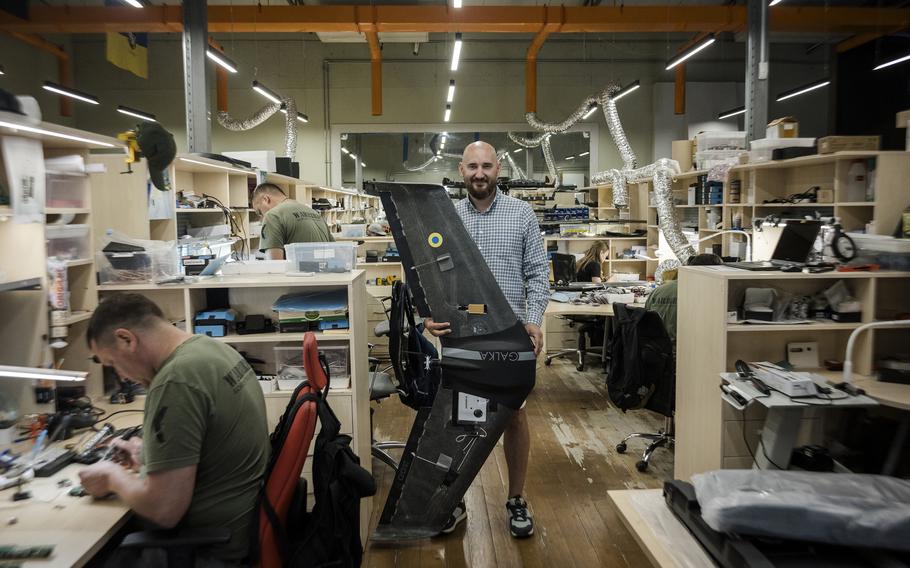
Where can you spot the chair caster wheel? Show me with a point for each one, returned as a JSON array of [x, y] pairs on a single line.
[[641, 465], [621, 447], [547, 362], [579, 368]]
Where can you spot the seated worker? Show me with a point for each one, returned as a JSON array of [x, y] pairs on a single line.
[[663, 299], [588, 268], [286, 221], [205, 442]]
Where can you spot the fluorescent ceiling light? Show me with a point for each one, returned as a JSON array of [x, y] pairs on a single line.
[[583, 154], [775, 2], [353, 156], [448, 113], [2, 72], [133, 3], [517, 150], [705, 42], [72, 93], [731, 112], [451, 95], [569, 158], [221, 59], [591, 110], [345, 150], [882, 66], [456, 52], [10, 372], [362, 165], [456, 3], [228, 168], [630, 88], [266, 92], [137, 113], [804, 89], [300, 116], [34, 130]]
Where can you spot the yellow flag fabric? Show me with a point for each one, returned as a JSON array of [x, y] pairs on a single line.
[[129, 51]]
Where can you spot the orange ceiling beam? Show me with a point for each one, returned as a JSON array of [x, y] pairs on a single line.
[[375, 71], [555, 17], [481, 19]]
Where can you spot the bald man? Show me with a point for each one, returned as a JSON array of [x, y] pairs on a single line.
[[505, 230]]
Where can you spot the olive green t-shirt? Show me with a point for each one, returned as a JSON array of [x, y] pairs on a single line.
[[292, 222], [205, 408], [663, 301]]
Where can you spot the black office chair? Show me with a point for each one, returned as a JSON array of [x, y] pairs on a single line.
[[564, 273], [643, 374], [382, 386]]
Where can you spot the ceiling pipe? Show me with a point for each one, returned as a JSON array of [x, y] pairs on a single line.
[[221, 74], [64, 68], [439, 18], [555, 16]]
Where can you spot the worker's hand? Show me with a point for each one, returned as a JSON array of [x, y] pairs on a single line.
[[96, 478], [436, 329], [129, 452], [536, 336]]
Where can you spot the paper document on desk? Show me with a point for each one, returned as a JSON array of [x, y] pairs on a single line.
[[789, 383], [564, 297]]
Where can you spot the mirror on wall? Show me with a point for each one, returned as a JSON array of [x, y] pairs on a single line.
[[431, 157]]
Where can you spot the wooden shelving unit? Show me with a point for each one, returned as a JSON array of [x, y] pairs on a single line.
[[709, 432]]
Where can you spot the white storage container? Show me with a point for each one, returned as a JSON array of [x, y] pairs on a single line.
[[358, 230], [710, 158], [69, 242], [160, 264], [321, 257], [66, 190], [289, 363], [720, 140], [763, 149], [209, 231], [890, 253]]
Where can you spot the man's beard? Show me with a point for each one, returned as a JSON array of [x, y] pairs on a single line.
[[480, 194]]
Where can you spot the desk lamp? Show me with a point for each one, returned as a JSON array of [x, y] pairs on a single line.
[[848, 352]]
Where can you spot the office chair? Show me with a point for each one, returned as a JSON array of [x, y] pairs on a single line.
[[296, 430], [564, 273], [640, 346], [382, 386]]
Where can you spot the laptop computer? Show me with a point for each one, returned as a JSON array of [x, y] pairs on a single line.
[[793, 247]]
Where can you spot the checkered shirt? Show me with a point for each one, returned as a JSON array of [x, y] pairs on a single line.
[[508, 237]]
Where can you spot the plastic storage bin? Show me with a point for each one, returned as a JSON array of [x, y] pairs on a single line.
[[321, 257], [289, 364], [69, 242], [720, 140], [144, 266], [763, 148], [890, 253], [358, 230], [710, 158], [63, 190]]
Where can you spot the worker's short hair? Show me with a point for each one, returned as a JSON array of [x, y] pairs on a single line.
[[706, 259], [266, 188], [129, 310]]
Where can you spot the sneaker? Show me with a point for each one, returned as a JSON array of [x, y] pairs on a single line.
[[521, 524], [458, 515]]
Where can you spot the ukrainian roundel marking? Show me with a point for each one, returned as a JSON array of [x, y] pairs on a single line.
[[435, 240]]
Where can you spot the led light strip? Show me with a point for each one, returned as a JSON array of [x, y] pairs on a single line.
[[137, 113], [456, 52], [41, 374], [34, 130], [230, 169], [731, 112], [892, 62], [71, 93], [221, 59], [691, 51], [802, 90]]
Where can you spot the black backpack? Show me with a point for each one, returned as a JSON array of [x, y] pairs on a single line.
[[414, 358], [329, 535], [642, 367]]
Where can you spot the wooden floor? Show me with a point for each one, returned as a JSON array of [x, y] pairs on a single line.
[[573, 464]]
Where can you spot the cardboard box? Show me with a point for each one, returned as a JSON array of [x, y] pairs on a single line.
[[681, 151], [784, 127], [825, 196], [831, 144]]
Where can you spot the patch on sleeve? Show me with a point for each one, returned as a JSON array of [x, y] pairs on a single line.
[[235, 376], [157, 424]]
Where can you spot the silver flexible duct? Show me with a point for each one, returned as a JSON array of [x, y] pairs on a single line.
[[263, 114]]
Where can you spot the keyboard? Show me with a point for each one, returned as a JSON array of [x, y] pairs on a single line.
[[52, 460]]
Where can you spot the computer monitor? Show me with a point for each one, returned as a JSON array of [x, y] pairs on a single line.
[[563, 268], [796, 241]]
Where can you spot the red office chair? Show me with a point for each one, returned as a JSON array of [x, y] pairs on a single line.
[[291, 442], [292, 439]]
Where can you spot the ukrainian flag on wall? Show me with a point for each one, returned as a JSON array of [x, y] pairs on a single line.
[[129, 51]]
